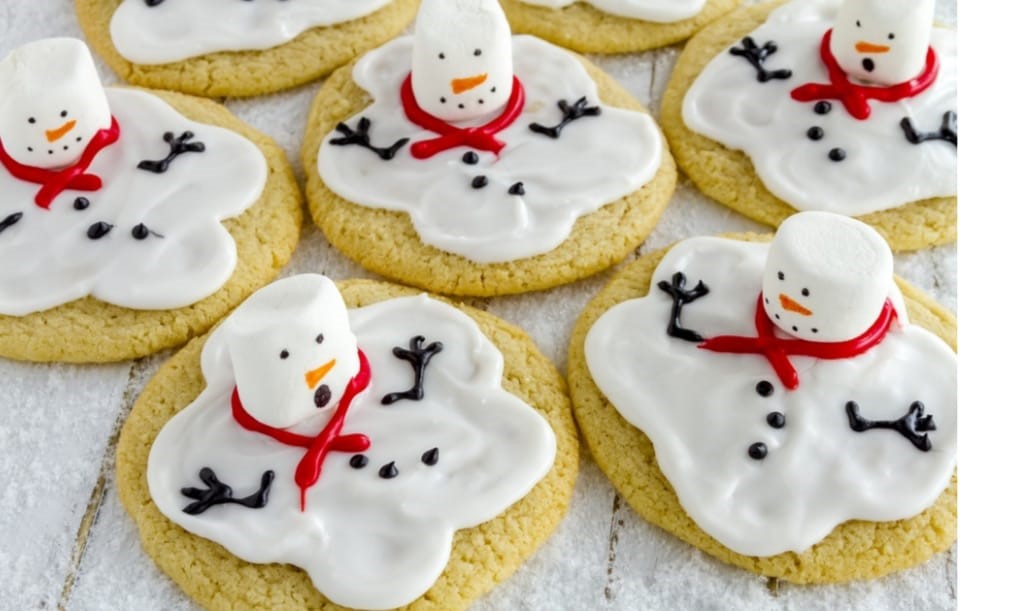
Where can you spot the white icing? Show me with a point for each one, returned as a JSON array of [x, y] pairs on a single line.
[[462, 54], [893, 34], [180, 29], [597, 160], [827, 276], [366, 542], [53, 102], [57, 263], [660, 11], [701, 411], [882, 169]]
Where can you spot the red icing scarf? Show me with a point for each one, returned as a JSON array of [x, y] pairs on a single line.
[[481, 138], [854, 97], [55, 182], [778, 350], [328, 440]]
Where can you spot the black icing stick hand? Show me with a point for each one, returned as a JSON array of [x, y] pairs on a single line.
[[756, 56], [570, 113], [948, 131], [219, 493], [177, 146], [676, 289], [914, 426], [418, 356], [360, 137]]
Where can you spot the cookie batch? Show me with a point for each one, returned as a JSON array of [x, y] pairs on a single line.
[[782, 402]]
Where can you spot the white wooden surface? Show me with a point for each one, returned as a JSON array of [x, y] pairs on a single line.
[[65, 541]]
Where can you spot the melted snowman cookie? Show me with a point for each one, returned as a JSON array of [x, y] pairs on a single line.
[[494, 146], [308, 460], [236, 47], [839, 105], [116, 195], [614, 26], [777, 414]]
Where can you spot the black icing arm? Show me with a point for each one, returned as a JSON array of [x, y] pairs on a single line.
[[756, 56], [676, 289], [914, 426], [177, 146], [948, 131], [218, 493], [418, 356], [570, 113], [360, 137]]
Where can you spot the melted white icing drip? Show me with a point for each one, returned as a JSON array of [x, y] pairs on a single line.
[[597, 160], [191, 258], [181, 29], [367, 542], [701, 411], [882, 169]]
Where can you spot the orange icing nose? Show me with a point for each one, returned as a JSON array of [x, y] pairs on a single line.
[[466, 84], [867, 47], [53, 135], [792, 306], [313, 377]]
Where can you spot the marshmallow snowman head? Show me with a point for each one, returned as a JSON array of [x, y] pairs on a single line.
[[883, 42], [52, 102], [462, 66], [827, 277], [292, 350]]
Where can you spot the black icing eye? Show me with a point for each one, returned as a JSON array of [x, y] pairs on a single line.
[[63, 114], [891, 36], [319, 338], [284, 354], [805, 292], [858, 23], [442, 56], [31, 119], [781, 276], [477, 52]]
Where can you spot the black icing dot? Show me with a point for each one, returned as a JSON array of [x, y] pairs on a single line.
[[477, 52], [479, 182], [816, 133], [470, 158], [99, 229], [31, 119], [764, 388], [517, 189], [776, 420], [66, 148], [81, 203], [78, 138], [823, 107], [837, 154], [430, 457], [781, 276], [30, 149], [359, 461], [442, 56], [758, 450], [285, 354], [494, 89], [443, 100], [140, 231], [319, 338], [480, 101], [777, 316], [795, 328], [460, 106], [805, 292], [63, 114], [389, 471], [50, 151], [766, 300], [891, 36], [814, 330], [868, 64], [858, 23]]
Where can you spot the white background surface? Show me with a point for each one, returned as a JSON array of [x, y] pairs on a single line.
[[65, 541]]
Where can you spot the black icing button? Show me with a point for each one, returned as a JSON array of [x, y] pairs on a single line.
[[816, 133], [758, 451], [823, 107], [776, 420], [517, 189], [140, 231], [359, 461], [430, 457], [479, 182], [837, 154], [764, 388], [389, 470], [98, 230], [470, 158], [81, 203]]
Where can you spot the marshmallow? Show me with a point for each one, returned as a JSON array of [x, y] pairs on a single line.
[[883, 42], [462, 67], [827, 277], [53, 102], [292, 350]]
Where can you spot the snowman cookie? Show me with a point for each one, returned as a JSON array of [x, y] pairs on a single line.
[[614, 26], [132, 220], [799, 403], [236, 47], [846, 106], [361, 456], [468, 161]]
